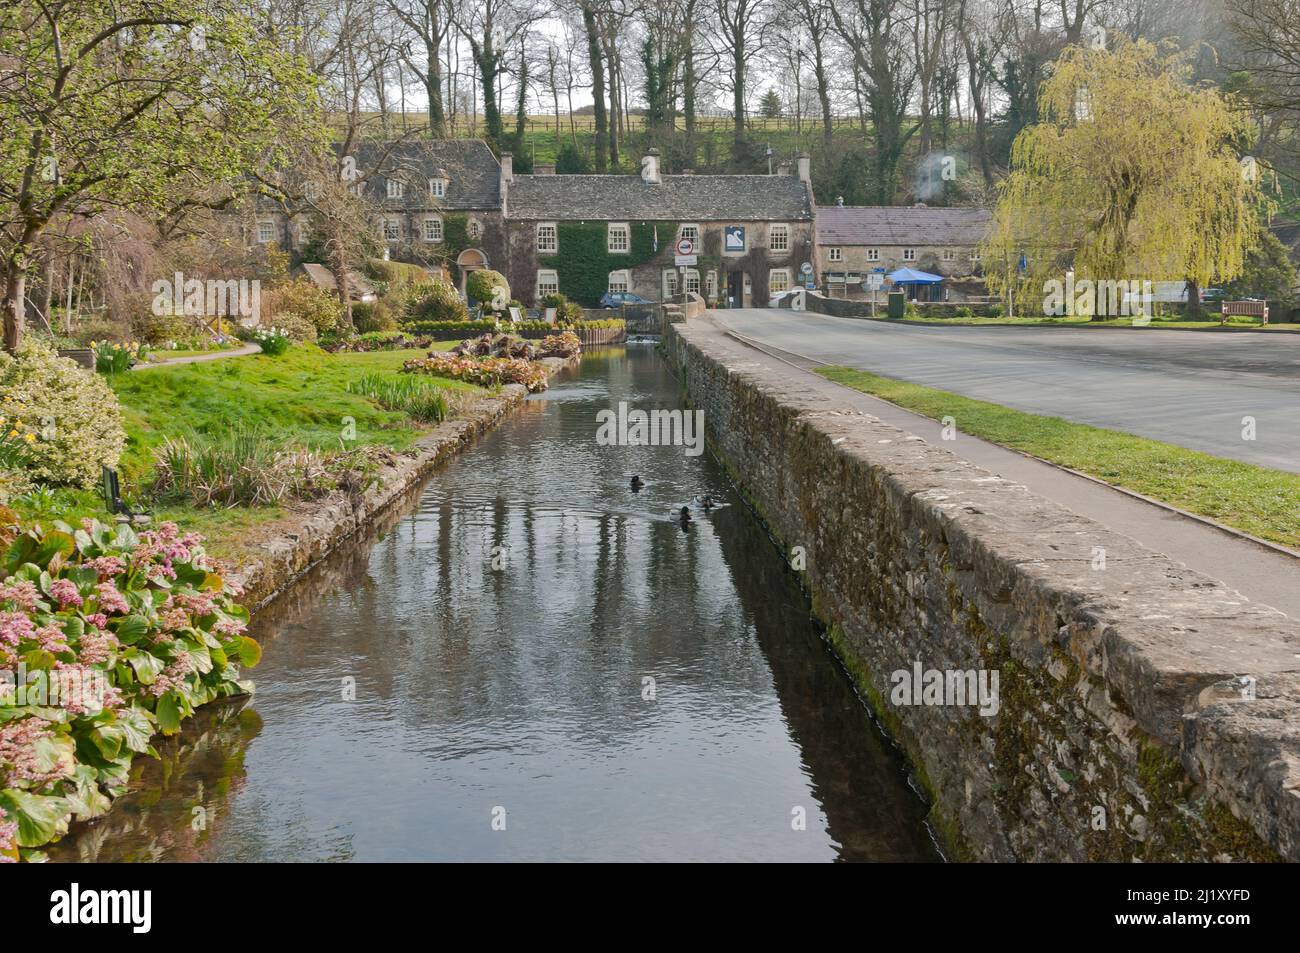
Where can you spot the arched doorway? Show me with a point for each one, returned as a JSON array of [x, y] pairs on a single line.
[[471, 259]]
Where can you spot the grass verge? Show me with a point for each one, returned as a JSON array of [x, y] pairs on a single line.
[[1256, 500], [301, 398]]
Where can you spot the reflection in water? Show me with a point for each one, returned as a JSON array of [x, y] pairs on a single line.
[[531, 640]]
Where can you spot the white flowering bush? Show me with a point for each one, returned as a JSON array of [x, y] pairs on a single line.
[[272, 341], [74, 413]]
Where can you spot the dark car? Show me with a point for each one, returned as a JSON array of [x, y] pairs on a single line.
[[616, 299]]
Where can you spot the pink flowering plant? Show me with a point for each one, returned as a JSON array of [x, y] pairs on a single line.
[[106, 638]]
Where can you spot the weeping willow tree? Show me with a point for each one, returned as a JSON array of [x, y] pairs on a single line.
[[1130, 174]]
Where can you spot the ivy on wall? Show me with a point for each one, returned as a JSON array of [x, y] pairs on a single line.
[[584, 261]]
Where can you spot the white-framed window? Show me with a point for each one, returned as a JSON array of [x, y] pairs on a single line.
[[548, 283], [358, 190], [692, 281], [300, 234], [974, 254], [438, 188], [711, 284], [949, 254], [474, 229], [670, 282], [778, 238], [835, 254], [548, 238], [432, 229], [909, 254], [265, 233], [778, 280], [392, 230], [692, 232], [396, 189], [618, 239], [873, 254], [620, 281]]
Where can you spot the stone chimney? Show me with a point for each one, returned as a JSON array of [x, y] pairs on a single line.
[[543, 168], [784, 168], [650, 167], [805, 167], [507, 176]]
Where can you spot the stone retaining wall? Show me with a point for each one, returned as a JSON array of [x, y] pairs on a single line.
[[1119, 735]]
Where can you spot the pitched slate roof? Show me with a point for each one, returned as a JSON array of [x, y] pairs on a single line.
[[900, 225], [682, 198], [472, 172]]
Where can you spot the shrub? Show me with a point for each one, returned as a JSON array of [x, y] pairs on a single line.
[[995, 311], [122, 635], [153, 329], [272, 341], [566, 344], [75, 411], [484, 371], [964, 312], [434, 301], [371, 316], [293, 303], [488, 288], [422, 400]]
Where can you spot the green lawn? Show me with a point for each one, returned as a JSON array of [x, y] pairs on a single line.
[[1257, 500], [300, 398]]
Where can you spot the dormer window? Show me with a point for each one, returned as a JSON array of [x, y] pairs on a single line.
[[396, 189], [438, 188]]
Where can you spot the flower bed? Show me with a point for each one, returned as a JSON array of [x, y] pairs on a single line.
[[106, 637], [484, 371]]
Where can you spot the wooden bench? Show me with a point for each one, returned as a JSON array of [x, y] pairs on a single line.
[[1249, 309]]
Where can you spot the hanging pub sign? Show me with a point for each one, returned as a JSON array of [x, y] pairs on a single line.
[[733, 239]]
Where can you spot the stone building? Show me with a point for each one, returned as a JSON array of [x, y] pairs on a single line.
[[584, 235], [451, 203], [438, 204], [853, 241]]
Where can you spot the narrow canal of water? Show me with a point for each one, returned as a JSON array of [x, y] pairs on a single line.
[[518, 696]]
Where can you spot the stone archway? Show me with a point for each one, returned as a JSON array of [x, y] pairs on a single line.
[[471, 259]]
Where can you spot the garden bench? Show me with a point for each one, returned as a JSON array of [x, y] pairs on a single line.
[[1251, 309]]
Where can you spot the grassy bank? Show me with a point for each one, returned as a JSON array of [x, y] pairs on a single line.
[[1256, 500], [298, 399]]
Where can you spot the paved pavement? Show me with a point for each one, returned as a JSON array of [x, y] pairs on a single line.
[[1190, 388], [1258, 572], [240, 351]]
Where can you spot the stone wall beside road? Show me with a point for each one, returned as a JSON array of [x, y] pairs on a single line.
[[1124, 728]]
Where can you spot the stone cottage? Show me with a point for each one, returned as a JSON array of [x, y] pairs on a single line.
[[583, 235], [438, 203], [853, 241]]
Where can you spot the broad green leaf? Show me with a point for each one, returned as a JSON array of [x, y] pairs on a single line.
[[40, 817]]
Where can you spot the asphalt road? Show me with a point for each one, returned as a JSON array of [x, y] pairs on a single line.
[[1259, 572], [1190, 388]]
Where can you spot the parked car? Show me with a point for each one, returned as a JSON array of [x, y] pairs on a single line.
[[616, 299]]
